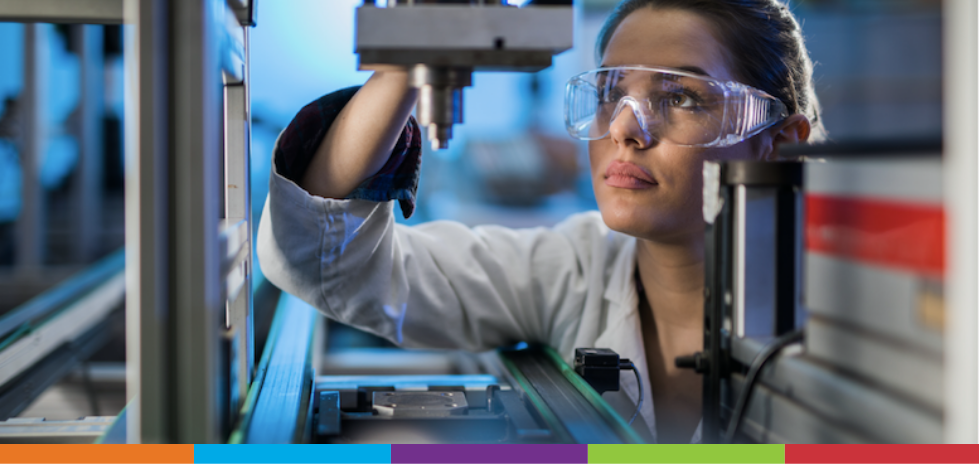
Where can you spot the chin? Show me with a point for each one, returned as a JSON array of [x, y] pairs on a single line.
[[640, 223], [649, 223]]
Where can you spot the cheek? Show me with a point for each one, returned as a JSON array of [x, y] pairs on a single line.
[[686, 181], [598, 152]]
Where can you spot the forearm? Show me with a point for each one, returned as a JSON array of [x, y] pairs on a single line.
[[361, 139]]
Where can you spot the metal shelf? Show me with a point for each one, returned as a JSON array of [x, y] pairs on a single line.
[[62, 12]]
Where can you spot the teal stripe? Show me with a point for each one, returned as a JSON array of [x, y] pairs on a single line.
[[288, 454]]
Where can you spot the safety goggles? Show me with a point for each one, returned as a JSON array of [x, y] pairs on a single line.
[[669, 105]]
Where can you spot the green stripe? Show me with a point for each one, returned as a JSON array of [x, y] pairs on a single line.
[[686, 454]]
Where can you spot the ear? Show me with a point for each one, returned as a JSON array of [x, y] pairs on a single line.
[[794, 129]]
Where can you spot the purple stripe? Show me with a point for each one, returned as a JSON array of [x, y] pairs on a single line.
[[464, 454]]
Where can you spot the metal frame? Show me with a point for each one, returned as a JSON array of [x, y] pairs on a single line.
[[32, 382], [31, 225], [87, 194], [566, 403], [961, 22], [38, 430], [842, 401], [61, 11], [190, 255], [147, 221], [72, 321], [188, 290], [277, 403], [726, 280]]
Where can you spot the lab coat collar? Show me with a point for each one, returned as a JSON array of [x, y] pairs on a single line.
[[623, 332], [623, 329]]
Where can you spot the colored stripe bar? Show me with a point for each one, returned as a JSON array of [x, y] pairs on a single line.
[[380, 454], [496, 454], [97, 453], [762, 454], [895, 235], [910, 454]]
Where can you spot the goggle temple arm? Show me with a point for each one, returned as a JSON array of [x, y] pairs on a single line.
[[758, 111]]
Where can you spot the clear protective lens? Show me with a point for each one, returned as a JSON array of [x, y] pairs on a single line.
[[676, 106]]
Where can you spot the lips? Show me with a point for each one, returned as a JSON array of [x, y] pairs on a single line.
[[627, 175]]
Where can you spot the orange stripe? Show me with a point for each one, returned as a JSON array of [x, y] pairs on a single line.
[[897, 235], [97, 453]]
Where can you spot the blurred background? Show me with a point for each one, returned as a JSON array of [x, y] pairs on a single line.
[[877, 70]]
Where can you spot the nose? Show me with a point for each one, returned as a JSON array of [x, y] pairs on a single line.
[[629, 124]]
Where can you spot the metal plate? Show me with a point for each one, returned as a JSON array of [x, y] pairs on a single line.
[[37, 430], [413, 404]]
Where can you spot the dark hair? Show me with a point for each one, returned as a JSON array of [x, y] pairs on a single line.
[[764, 39]]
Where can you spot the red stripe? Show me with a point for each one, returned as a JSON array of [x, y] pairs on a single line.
[[881, 453], [896, 235]]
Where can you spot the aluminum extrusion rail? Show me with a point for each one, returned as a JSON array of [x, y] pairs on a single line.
[[59, 316], [59, 296], [569, 406], [276, 407], [38, 430]]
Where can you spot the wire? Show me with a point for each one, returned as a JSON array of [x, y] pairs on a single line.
[[761, 358], [626, 364]]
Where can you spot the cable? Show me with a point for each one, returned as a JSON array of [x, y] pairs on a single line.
[[756, 364], [624, 363]]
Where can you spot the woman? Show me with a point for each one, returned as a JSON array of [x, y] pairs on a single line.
[[673, 72]]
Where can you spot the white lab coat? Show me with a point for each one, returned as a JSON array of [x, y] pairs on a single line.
[[444, 285]]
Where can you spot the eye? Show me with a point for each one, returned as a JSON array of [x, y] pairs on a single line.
[[607, 95], [680, 100]]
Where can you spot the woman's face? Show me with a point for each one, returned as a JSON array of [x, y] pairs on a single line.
[[669, 207]]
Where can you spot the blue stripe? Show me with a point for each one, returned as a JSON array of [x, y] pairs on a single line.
[[292, 454]]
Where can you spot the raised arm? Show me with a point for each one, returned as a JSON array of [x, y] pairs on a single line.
[[360, 141]]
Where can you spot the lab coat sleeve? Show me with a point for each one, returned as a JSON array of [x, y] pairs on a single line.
[[436, 285]]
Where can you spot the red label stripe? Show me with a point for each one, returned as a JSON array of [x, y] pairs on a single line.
[[881, 453], [897, 235]]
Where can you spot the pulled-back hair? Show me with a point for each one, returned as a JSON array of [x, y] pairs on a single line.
[[765, 42]]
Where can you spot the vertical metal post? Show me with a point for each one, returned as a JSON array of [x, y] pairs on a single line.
[[176, 300], [738, 250], [31, 225], [788, 258], [961, 20], [237, 208], [718, 298], [88, 183], [195, 291], [148, 316]]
